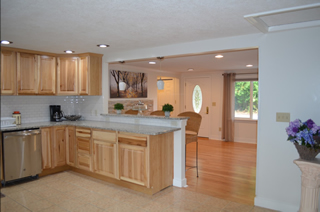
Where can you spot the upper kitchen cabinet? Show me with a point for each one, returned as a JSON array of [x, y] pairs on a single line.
[[27, 73], [8, 72], [90, 74], [47, 75], [67, 75]]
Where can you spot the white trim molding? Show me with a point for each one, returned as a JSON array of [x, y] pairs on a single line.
[[255, 19]]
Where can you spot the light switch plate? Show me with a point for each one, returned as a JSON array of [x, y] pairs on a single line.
[[283, 117]]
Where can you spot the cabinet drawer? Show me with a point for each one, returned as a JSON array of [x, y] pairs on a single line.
[[80, 132], [84, 161], [83, 145], [104, 135], [132, 139]]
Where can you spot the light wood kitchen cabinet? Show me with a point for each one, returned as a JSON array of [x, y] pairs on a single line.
[[133, 158], [146, 160], [105, 152], [71, 145], [27, 73], [59, 146], [8, 72], [47, 75], [67, 75], [84, 149], [46, 145], [90, 74]]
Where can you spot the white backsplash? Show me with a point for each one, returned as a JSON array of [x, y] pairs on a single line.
[[36, 108]]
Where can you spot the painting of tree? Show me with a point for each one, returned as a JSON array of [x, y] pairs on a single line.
[[136, 84]]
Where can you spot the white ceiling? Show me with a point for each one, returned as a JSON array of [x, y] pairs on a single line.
[[79, 25], [231, 61]]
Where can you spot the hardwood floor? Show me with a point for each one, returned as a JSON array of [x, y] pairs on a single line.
[[227, 170]]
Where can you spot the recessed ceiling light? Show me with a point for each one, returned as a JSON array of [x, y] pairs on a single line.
[[69, 51], [219, 56], [152, 63], [103, 45], [190, 69], [6, 42], [249, 65]]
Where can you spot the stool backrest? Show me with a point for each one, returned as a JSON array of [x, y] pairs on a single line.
[[157, 113], [194, 121], [133, 112]]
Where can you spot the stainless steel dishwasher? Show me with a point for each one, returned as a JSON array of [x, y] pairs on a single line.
[[21, 154]]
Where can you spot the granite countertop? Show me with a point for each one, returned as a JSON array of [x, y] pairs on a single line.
[[146, 117], [123, 127]]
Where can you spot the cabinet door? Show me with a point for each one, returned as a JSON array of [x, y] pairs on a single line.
[[71, 145], [104, 158], [27, 73], [59, 146], [133, 164], [67, 76], [46, 148], [8, 72], [83, 76], [47, 75]]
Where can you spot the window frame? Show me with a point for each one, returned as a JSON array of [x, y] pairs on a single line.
[[251, 101]]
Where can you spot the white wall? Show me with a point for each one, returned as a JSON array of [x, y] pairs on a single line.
[[289, 73]]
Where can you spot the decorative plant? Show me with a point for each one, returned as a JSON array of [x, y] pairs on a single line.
[[167, 107], [118, 106], [304, 133]]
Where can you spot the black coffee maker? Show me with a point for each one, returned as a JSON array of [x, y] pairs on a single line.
[[56, 113]]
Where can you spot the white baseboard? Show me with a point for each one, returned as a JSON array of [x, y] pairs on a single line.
[[275, 205]]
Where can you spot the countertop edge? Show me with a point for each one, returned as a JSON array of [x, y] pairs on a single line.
[[114, 126]]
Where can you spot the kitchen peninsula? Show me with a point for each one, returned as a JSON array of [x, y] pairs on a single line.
[[132, 151]]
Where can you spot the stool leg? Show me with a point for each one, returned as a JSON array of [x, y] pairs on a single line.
[[197, 158]]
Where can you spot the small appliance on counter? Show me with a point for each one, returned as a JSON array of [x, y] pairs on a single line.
[[17, 116], [56, 113]]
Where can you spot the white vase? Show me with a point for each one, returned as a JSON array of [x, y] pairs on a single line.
[[118, 111], [167, 113]]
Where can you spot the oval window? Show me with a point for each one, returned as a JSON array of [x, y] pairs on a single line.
[[197, 99]]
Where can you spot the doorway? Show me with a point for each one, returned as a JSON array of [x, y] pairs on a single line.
[[197, 99]]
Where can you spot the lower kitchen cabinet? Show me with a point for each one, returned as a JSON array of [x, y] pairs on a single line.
[[84, 149], [136, 161], [59, 146], [133, 158], [46, 142], [71, 146], [133, 164], [105, 153]]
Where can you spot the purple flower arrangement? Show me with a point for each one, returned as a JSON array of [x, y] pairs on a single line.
[[304, 133]]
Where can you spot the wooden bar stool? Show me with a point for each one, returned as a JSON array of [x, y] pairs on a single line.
[[192, 130], [157, 113], [132, 112]]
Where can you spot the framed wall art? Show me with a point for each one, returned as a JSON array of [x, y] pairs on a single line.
[[126, 84]]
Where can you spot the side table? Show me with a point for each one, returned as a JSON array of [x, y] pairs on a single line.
[[310, 184]]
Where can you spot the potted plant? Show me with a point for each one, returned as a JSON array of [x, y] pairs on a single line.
[[306, 138], [167, 108], [118, 107]]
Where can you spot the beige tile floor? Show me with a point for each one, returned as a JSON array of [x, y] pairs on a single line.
[[70, 191]]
